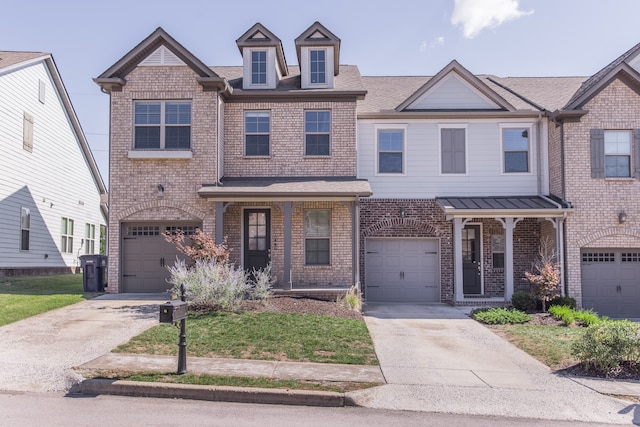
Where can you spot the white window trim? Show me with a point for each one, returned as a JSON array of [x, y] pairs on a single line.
[[244, 135], [146, 153], [67, 237], [304, 148], [326, 68], [630, 155], [482, 257], [330, 237], [466, 147], [266, 67], [391, 126], [28, 210], [88, 239], [531, 157]]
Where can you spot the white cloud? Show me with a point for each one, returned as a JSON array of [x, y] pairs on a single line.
[[426, 45], [476, 15]]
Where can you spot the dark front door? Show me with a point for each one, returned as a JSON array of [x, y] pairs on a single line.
[[471, 260], [257, 238]]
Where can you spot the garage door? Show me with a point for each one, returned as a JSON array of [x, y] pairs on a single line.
[[146, 255], [611, 281], [402, 270]]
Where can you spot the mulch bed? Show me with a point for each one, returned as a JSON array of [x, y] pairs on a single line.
[[277, 304]]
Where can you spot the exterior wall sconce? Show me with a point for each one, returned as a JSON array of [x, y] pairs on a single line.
[[622, 217], [160, 190], [402, 213]]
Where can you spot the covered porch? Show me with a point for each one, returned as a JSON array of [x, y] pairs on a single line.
[[496, 239], [306, 228]]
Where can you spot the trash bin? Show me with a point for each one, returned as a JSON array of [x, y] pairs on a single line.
[[93, 272]]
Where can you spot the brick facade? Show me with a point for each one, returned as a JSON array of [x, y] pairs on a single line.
[[424, 218], [598, 201]]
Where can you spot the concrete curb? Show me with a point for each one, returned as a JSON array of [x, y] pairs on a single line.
[[214, 393]]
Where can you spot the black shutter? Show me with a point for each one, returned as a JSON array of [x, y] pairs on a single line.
[[597, 153]]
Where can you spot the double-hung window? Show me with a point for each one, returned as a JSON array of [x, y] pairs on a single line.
[[66, 244], [259, 67], [318, 66], [452, 151], [162, 125], [617, 153], [317, 126], [256, 133], [25, 228], [317, 236], [515, 149], [391, 151], [90, 239]]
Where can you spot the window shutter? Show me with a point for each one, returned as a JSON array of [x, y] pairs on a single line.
[[597, 153], [636, 152], [447, 154], [459, 151]]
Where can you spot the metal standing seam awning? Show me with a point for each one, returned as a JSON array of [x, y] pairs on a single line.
[[508, 211], [286, 193]]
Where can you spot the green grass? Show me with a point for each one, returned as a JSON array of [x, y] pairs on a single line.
[[549, 344], [22, 297], [215, 380], [263, 336]]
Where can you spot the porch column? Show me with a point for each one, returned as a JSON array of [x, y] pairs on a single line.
[[355, 243], [458, 224], [221, 208], [508, 224], [287, 209]]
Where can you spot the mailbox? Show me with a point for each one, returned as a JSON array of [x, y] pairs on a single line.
[[172, 311]]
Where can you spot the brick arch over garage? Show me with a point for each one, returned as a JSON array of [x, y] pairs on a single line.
[[607, 233], [183, 210], [401, 227]]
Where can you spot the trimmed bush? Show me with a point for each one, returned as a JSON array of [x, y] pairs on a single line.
[[500, 316], [566, 301], [523, 301], [606, 344], [564, 313]]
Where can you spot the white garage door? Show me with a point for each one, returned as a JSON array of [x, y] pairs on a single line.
[[402, 270], [146, 255], [611, 282]]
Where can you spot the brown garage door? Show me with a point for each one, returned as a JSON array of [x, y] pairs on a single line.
[[146, 255], [402, 270], [611, 282]]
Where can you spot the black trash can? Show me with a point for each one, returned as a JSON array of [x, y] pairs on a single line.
[[93, 272]]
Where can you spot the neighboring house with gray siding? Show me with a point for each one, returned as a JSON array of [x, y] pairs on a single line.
[[52, 198]]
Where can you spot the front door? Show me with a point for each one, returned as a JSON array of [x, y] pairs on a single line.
[[471, 260], [257, 238]]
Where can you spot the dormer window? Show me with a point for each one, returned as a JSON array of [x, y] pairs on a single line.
[[318, 66], [259, 67]]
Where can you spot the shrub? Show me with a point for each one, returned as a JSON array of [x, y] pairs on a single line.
[[566, 301], [500, 316], [210, 285], [523, 301], [352, 299], [606, 344], [588, 317], [564, 313], [263, 281]]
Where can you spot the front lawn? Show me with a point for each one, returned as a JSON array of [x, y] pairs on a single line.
[[265, 336], [22, 297]]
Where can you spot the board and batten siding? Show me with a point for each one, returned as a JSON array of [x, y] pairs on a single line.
[[422, 177], [53, 181]]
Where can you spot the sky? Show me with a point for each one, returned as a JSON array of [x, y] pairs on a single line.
[[402, 37]]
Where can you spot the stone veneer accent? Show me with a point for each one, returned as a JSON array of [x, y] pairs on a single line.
[[424, 218], [597, 201]]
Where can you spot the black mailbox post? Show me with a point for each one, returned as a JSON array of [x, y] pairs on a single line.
[[172, 312]]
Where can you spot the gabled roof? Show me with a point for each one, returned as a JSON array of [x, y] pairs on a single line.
[[20, 59], [468, 77], [260, 36], [619, 68], [114, 77], [317, 35]]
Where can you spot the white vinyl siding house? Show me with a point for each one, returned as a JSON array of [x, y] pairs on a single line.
[[423, 177], [53, 179]]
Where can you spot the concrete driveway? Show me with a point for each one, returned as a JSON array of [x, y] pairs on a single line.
[[435, 358]]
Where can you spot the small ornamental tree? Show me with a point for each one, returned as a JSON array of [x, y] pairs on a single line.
[[545, 277], [202, 246]]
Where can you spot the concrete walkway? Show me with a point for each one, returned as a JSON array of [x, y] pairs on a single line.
[[436, 359]]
